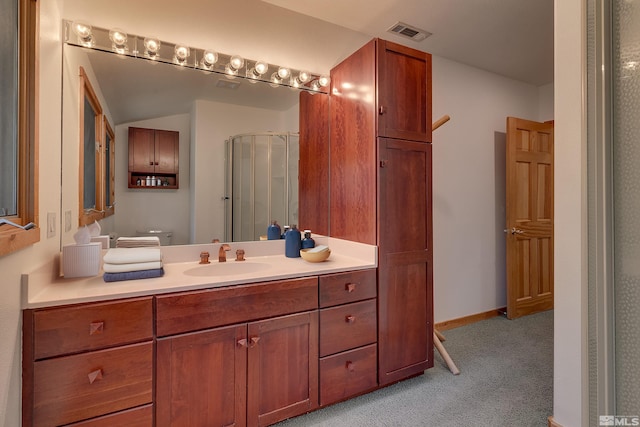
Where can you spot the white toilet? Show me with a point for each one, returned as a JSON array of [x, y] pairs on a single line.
[[164, 236]]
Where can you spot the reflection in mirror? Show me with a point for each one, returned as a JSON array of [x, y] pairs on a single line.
[[262, 183], [109, 167], [90, 126], [206, 109]]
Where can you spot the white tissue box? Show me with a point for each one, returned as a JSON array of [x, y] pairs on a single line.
[[81, 260]]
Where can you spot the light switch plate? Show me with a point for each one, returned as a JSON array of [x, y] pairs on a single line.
[[51, 224]]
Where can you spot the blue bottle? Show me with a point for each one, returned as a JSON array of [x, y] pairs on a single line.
[[308, 242], [273, 231], [292, 242]]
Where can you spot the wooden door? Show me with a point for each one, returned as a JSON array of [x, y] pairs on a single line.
[[166, 151], [201, 378], [141, 150], [405, 281], [404, 92], [529, 217], [283, 368]]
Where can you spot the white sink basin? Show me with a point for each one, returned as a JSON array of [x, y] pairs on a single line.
[[229, 268]]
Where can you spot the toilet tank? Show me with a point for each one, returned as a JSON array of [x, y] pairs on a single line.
[[163, 235]]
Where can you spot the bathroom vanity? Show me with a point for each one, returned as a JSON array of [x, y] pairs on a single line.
[[235, 343]]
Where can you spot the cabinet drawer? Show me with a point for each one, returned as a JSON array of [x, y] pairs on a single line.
[[136, 417], [346, 374], [342, 288], [192, 311], [347, 326], [83, 386], [84, 327]]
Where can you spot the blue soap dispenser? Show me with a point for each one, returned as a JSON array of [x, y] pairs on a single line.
[[273, 231], [308, 242], [292, 242]]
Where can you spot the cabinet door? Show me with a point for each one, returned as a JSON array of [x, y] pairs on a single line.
[[404, 92], [283, 368], [201, 378], [166, 151], [405, 277], [141, 150]]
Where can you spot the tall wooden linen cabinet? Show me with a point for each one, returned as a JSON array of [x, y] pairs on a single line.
[[380, 191]]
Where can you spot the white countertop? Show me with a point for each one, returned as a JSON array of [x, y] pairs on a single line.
[[265, 261]]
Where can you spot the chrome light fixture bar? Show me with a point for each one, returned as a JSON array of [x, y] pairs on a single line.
[[207, 60]]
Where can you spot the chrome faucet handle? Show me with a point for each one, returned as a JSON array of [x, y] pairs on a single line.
[[240, 255]]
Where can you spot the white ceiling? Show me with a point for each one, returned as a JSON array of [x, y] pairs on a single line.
[[513, 38]]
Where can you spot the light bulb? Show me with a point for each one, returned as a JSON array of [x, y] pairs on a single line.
[[118, 37], [84, 33], [304, 77], [209, 58], [236, 62], [181, 54], [283, 73], [151, 47], [261, 67], [324, 81], [258, 70]]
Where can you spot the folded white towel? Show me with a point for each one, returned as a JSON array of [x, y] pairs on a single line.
[[132, 255], [138, 266]]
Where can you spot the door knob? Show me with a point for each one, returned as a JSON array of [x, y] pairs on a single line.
[[514, 231]]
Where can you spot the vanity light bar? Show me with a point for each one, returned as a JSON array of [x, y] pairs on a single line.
[[152, 48]]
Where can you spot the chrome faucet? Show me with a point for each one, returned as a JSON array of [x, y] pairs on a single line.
[[222, 256]]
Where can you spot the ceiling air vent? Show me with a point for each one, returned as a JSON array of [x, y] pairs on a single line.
[[408, 31]]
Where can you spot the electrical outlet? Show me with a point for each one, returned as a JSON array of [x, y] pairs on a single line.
[[51, 224], [67, 221]]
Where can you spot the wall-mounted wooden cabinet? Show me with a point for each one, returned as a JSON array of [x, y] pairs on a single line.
[[153, 152]]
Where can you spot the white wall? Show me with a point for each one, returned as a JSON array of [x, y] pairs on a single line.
[[469, 185]]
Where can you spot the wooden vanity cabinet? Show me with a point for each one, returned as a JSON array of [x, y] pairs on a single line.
[[243, 355], [380, 191], [87, 361], [153, 152]]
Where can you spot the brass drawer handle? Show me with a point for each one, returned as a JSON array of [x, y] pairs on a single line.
[[350, 319], [350, 366], [95, 376], [254, 341], [96, 328], [243, 343]]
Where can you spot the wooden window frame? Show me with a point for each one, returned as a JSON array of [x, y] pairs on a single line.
[[11, 238], [88, 216]]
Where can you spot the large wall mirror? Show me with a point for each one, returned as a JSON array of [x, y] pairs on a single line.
[[207, 110]]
